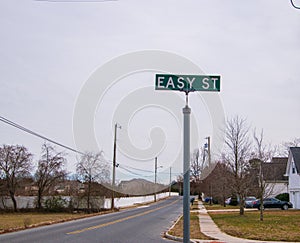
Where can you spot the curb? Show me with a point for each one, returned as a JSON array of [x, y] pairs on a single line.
[[176, 238], [179, 239]]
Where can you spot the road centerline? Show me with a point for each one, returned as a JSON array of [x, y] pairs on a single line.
[[118, 220]]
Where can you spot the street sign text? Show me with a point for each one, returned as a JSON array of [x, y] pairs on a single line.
[[187, 83]]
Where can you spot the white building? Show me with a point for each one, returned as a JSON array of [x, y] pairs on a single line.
[[293, 172]]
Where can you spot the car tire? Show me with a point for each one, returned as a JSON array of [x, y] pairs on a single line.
[[285, 207], [263, 208]]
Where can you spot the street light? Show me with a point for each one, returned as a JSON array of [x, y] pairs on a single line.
[[114, 167], [209, 164], [208, 150]]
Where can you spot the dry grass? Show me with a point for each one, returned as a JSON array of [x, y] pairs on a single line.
[[194, 206], [195, 233], [219, 207], [277, 225], [18, 221]]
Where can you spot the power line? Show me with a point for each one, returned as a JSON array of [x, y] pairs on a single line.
[[133, 173], [149, 171], [130, 168], [9, 122], [125, 167]]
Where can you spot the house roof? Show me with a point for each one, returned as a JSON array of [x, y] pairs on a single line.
[[296, 156], [275, 170]]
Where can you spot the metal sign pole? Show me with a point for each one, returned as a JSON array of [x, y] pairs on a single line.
[[155, 178], [186, 169], [187, 83]]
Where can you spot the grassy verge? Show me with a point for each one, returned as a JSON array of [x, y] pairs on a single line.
[[18, 221], [194, 206], [277, 225], [219, 207], [195, 233]]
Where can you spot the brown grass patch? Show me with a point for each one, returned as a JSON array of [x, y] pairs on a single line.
[[195, 232], [18, 221]]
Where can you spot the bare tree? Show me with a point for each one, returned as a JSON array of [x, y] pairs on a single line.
[[260, 147], [50, 170], [286, 146], [262, 154], [200, 169], [15, 164], [237, 154], [217, 184], [196, 165], [92, 168], [180, 184]]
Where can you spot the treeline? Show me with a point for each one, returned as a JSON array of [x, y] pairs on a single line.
[[19, 175], [242, 169]]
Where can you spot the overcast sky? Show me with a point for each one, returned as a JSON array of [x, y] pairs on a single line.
[[50, 49]]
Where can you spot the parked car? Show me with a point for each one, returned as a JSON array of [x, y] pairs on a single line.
[[207, 199], [272, 203], [249, 202], [233, 201]]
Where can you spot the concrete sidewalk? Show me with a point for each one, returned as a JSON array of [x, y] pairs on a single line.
[[209, 228]]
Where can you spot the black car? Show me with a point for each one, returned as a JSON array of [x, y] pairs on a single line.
[[272, 203]]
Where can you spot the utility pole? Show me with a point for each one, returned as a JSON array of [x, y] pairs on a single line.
[[155, 175], [114, 168], [208, 150], [170, 181]]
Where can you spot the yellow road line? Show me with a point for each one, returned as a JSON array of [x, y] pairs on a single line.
[[118, 220]]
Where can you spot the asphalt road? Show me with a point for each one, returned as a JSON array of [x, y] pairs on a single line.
[[142, 224]]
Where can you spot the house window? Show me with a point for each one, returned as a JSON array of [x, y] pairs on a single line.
[[293, 168]]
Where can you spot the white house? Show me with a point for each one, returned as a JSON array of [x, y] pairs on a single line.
[[293, 172]]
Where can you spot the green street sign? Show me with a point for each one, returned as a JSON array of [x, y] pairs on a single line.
[[187, 83]]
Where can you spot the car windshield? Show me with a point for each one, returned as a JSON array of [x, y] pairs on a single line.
[[271, 200]]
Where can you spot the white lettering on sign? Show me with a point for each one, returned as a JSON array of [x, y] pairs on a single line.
[[170, 82], [205, 83], [160, 82], [214, 81], [181, 82], [191, 81]]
